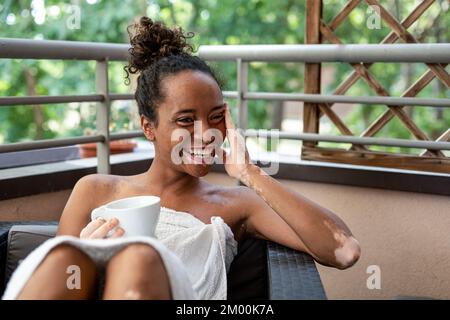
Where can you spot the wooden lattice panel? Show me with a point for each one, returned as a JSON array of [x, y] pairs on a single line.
[[318, 31]]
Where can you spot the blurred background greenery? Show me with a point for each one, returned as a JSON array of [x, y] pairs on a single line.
[[213, 22]]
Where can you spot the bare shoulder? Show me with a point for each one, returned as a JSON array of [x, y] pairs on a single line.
[[102, 185], [98, 180], [88, 193]]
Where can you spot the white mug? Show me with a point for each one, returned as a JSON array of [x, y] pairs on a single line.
[[138, 216]]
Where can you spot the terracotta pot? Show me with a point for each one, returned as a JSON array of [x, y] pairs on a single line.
[[89, 150]]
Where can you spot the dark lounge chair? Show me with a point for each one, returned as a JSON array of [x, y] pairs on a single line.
[[261, 269]]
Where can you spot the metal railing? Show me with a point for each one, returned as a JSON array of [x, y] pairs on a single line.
[[102, 53]]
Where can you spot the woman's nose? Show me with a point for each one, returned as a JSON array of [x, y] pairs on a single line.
[[202, 134]]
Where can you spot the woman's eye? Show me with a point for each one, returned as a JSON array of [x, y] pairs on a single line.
[[185, 120], [218, 117]]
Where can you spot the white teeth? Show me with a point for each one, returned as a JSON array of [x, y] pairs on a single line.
[[201, 153]]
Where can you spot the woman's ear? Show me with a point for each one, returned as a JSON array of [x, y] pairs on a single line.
[[148, 127]]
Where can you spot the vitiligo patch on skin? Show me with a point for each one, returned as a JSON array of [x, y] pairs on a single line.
[[347, 246], [132, 295], [255, 188], [345, 254], [246, 179]]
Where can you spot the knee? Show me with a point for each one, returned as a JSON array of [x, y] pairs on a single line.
[[142, 253], [70, 254], [148, 279], [65, 251]]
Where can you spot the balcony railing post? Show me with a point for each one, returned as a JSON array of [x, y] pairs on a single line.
[[242, 85], [312, 70], [102, 116]]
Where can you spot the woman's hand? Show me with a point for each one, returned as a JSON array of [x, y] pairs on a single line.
[[237, 160], [99, 229]]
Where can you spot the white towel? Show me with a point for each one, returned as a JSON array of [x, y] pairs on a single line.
[[197, 256]]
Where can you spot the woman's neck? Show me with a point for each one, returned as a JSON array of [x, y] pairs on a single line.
[[164, 179]]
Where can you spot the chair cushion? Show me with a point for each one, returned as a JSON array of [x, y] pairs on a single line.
[[22, 239], [247, 277]]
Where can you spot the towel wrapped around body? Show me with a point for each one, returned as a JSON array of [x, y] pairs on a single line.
[[196, 256]]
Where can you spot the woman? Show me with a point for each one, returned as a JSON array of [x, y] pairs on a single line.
[[176, 91]]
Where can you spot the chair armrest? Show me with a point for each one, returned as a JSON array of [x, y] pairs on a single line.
[[5, 227], [292, 274]]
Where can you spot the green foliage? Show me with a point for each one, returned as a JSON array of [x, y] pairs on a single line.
[[214, 22], [395, 78]]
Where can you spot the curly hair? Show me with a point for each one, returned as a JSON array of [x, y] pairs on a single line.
[[155, 53]]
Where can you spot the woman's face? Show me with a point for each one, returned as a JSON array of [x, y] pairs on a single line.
[[191, 122]]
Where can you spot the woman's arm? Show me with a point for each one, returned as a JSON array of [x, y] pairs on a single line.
[[78, 207], [301, 224], [285, 216]]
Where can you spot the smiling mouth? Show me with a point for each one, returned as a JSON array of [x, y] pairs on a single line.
[[203, 156]]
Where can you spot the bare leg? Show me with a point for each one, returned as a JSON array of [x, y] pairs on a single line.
[[137, 272], [51, 280]]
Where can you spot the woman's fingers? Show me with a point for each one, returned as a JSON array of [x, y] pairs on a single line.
[[103, 230], [91, 227], [118, 233], [231, 129], [99, 228], [225, 155], [228, 119]]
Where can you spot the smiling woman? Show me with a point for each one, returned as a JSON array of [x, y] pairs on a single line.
[[183, 87], [183, 113]]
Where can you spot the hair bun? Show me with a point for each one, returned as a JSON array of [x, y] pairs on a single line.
[[152, 40]]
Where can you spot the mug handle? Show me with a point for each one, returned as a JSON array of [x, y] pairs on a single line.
[[96, 212]]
